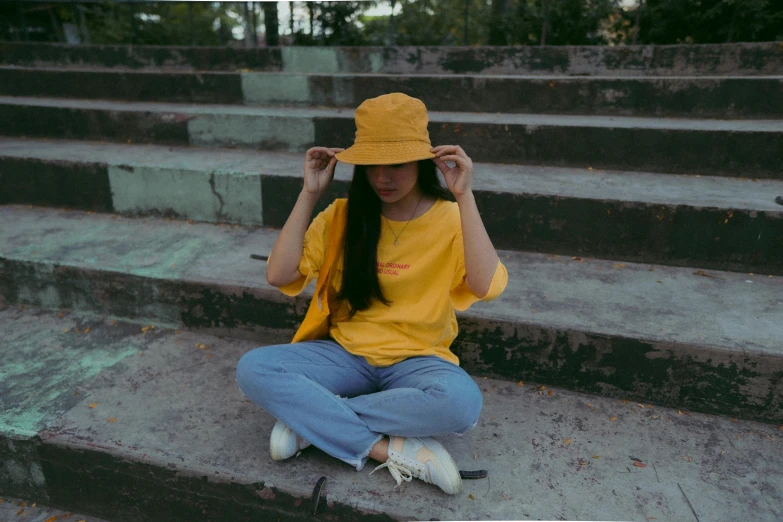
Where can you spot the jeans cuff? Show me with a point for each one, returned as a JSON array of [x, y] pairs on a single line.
[[364, 456]]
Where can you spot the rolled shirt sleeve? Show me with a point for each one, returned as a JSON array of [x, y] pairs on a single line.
[[461, 294], [313, 252]]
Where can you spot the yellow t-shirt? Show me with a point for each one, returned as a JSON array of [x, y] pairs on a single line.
[[423, 276]]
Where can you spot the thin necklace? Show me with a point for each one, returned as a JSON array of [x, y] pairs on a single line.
[[397, 236]]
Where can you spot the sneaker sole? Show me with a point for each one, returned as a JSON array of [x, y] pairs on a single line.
[[452, 478], [275, 450]]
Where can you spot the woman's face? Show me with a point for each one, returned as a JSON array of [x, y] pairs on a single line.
[[392, 183]]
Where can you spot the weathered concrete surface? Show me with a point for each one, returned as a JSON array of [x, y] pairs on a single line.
[[628, 187], [27, 402], [724, 59], [216, 196], [567, 60], [82, 184], [140, 56], [711, 222], [715, 97], [43, 375], [10, 510], [113, 84], [745, 148], [674, 336], [21, 473], [718, 97], [42, 121], [170, 437]]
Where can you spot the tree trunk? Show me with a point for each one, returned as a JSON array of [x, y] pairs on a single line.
[[134, 28], [391, 35], [83, 26], [58, 30], [254, 8], [545, 22], [248, 23], [465, 26], [323, 24], [271, 23], [22, 21], [636, 24], [731, 25], [311, 9], [190, 24], [497, 36]]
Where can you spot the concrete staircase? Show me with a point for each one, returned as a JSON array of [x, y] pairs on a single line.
[[631, 192]]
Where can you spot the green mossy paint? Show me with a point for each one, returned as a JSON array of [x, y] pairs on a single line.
[[41, 371]]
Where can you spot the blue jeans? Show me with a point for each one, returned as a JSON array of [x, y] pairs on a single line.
[[343, 405]]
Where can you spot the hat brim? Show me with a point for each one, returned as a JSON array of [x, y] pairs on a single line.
[[385, 152]]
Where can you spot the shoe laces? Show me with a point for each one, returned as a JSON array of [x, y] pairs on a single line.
[[399, 473]]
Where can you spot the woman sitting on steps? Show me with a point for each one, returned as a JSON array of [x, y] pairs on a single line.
[[369, 373]]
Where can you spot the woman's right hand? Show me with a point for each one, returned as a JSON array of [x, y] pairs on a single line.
[[319, 169]]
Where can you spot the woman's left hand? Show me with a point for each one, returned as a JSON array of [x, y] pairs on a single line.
[[459, 178]]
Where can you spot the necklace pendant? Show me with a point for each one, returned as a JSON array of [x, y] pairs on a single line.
[[396, 242]]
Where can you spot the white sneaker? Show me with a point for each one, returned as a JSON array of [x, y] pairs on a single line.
[[284, 443], [423, 458]]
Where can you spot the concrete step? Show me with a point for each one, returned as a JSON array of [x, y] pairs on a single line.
[[745, 148], [680, 337], [687, 96], [83, 424], [711, 222], [740, 59]]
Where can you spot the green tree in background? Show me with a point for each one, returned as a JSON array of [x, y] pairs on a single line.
[[338, 20], [702, 21], [441, 22], [419, 22], [553, 22], [375, 29], [109, 22], [589, 22], [336, 23], [577, 22], [504, 22], [161, 23]]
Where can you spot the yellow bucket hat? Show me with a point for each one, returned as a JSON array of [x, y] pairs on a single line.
[[390, 129]]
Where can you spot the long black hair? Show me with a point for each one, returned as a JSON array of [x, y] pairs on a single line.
[[363, 230]]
